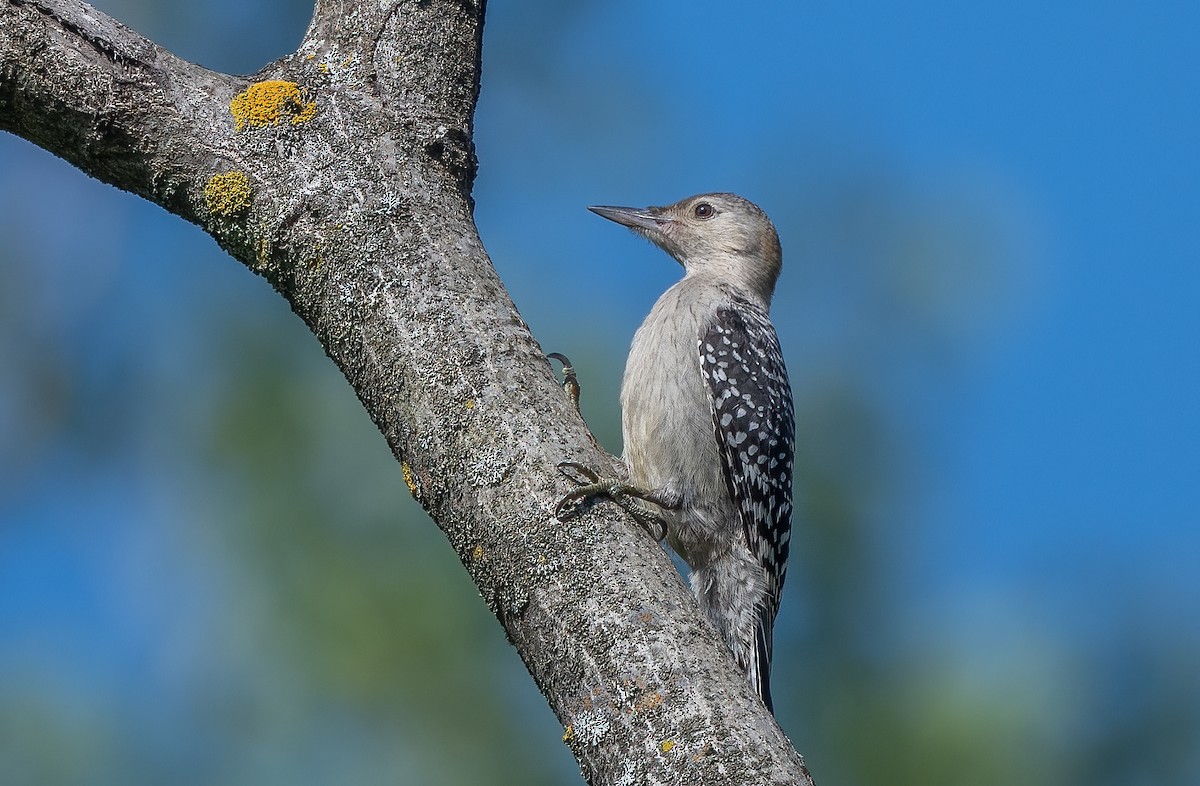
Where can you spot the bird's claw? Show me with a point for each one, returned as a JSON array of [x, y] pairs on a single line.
[[577, 473], [570, 382], [590, 485]]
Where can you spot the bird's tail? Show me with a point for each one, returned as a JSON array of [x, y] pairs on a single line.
[[747, 631], [758, 666]]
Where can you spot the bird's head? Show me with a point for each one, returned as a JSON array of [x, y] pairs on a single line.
[[722, 235]]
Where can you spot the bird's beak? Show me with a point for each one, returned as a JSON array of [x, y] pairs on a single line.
[[651, 218]]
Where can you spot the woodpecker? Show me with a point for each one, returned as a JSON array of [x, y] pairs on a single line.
[[707, 418]]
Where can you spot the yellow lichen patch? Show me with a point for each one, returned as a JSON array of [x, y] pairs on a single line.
[[667, 745], [470, 403], [569, 734], [477, 553], [270, 103], [227, 193], [264, 252], [410, 479]]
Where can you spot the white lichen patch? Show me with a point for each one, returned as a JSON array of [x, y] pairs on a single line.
[[590, 727], [490, 467], [338, 67]]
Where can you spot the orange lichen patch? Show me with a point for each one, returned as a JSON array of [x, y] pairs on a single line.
[[227, 193], [270, 103], [648, 701]]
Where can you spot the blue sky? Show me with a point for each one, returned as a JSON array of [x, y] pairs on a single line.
[[1070, 429], [989, 214]]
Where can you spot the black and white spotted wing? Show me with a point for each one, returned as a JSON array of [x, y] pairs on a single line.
[[754, 424]]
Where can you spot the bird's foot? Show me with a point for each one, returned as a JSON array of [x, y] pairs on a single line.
[[633, 499], [570, 382]]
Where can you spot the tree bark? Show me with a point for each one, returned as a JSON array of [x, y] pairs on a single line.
[[342, 174]]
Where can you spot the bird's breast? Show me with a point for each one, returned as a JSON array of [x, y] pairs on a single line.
[[665, 412]]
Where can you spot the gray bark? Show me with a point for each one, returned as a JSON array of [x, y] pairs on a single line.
[[355, 205]]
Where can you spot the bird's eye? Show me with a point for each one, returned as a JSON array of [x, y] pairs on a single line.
[[704, 210]]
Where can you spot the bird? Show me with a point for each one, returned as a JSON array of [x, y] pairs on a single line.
[[708, 421]]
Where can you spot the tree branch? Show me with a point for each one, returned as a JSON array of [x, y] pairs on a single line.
[[342, 174]]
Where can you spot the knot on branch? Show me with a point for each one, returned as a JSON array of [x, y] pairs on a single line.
[[453, 149]]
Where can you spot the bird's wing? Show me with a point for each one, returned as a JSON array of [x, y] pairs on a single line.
[[754, 422]]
